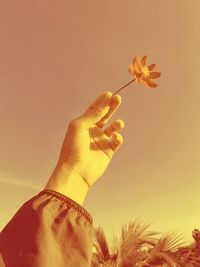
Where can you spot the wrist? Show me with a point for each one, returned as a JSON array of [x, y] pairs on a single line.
[[69, 183]]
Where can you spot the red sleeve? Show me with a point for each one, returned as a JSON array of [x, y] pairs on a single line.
[[49, 230]]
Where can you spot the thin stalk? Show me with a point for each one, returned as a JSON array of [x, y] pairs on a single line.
[[123, 87]]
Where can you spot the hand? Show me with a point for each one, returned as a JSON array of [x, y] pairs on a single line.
[[87, 147]]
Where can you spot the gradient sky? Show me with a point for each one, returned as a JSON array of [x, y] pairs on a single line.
[[56, 57]]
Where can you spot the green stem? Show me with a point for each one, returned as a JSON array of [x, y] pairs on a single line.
[[123, 87]]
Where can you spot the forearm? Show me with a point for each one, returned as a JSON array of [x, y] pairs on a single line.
[[65, 181]]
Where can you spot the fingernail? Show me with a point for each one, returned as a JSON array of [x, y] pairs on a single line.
[[120, 98], [107, 93], [122, 123], [105, 99]]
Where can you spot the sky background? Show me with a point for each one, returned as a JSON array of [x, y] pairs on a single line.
[[56, 57]]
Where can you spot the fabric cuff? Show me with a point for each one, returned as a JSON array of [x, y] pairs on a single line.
[[70, 202]]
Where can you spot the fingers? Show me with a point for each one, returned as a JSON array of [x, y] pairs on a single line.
[[116, 138], [114, 105], [116, 142], [98, 100], [94, 114], [114, 126], [99, 112]]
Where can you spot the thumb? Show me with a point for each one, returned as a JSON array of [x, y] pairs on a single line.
[[96, 113]]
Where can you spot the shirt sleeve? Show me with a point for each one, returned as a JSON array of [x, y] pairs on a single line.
[[48, 230]]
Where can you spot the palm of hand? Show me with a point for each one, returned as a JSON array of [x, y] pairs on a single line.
[[89, 151]]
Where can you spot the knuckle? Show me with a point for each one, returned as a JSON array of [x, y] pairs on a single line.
[[120, 137], [74, 123]]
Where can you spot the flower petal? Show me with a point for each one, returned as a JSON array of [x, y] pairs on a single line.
[[154, 75], [131, 69], [144, 61], [151, 67], [151, 83], [138, 79], [143, 80], [140, 66], [136, 62], [137, 74]]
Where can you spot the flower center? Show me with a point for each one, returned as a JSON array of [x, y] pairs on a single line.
[[145, 71]]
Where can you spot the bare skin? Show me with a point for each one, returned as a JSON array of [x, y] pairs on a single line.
[[87, 148]]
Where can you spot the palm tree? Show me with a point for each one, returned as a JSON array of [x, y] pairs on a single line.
[[162, 252], [138, 247], [189, 256], [125, 252], [196, 236]]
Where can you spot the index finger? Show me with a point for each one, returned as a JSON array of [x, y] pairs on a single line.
[[98, 100], [114, 105]]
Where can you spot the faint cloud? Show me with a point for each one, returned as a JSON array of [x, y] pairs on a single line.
[[19, 183]]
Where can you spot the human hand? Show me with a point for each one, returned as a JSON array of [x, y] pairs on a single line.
[[88, 148]]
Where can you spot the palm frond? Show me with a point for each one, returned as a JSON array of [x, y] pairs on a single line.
[[160, 258], [139, 247], [169, 242], [133, 238], [101, 245]]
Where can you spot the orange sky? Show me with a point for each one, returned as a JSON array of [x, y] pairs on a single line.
[[57, 57]]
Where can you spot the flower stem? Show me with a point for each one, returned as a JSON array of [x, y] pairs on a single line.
[[123, 87]]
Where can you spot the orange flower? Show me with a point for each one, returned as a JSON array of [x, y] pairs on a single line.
[[142, 73]]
